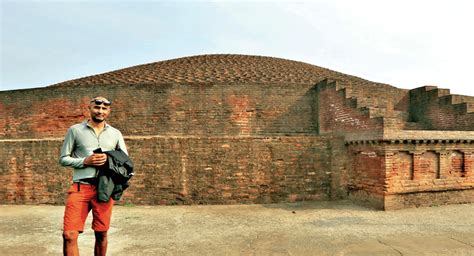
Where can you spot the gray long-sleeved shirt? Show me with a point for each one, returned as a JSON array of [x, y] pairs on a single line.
[[80, 142]]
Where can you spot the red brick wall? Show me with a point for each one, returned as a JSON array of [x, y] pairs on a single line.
[[227, 144], [368, 172], [424, 199], [39, 113], [437, 110], [217, 161], [166, 110], [340, 168], [30, 173], [435, 167], [183, 170], [191, 144], [386, 175], [380, 94], [338, 114], [439, 169]]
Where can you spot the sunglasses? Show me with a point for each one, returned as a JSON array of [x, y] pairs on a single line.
[[100, 102]]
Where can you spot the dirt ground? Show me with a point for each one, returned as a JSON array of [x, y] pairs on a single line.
[[311, 228]]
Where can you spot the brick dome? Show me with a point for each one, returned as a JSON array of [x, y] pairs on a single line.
[[215, 69]]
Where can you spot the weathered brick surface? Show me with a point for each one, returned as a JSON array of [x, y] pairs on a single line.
[[435, 167], [436, 109], [405, 169], [343, 107], [337, 114], [183, 170], [432, 198], [340, 169], [366, 174], [166, 110], [223, 69], [249, 129], [30, 173]]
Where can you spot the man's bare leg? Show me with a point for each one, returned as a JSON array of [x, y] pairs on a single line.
[[70, 243], [100, 248]]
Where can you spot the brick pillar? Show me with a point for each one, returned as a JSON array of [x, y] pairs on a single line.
[[416, 163], [468, 164], [389, 161], [11, 180], [443, 164], [28, 189]]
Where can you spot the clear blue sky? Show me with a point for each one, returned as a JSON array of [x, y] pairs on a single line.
[[403, 43]]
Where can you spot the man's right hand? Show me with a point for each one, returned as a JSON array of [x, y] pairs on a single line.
[[96, 159]]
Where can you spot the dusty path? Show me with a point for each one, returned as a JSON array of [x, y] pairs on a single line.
[[317, 228]]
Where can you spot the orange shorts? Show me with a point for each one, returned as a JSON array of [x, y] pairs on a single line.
[[80, 201]]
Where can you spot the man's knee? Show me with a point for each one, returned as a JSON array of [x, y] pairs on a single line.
[[100, 236], [70, 235]]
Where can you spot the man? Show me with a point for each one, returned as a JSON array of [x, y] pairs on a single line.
[[78, 151]]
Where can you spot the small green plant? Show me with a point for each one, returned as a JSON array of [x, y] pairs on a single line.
[[128, 204]]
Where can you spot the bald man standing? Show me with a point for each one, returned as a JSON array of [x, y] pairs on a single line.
[[81, 150]]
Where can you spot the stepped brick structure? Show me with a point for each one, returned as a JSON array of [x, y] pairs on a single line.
[[223, 129]]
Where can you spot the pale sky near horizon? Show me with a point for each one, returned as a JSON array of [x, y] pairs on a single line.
[[404, 43]]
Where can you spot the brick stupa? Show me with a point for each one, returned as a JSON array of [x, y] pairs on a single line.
[[225, 129]]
